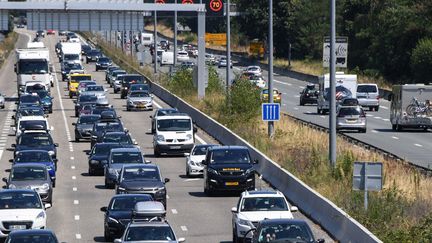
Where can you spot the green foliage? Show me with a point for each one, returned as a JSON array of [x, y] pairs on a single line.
[[182, 84], [244, 100], [214, 82], [421, 61]]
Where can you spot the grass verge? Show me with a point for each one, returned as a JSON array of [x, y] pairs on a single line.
[[7, 46]]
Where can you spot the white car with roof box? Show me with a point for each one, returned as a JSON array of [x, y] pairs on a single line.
[[27, 123]]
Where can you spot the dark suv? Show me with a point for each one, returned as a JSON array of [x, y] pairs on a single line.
[[127, 80], [228, 168], [309, 95]]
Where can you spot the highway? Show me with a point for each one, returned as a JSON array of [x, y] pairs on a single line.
[[78, 197]]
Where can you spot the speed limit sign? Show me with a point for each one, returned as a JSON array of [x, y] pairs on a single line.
[[216, 5]]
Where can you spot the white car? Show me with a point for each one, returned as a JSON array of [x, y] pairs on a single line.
[[254, 206], [182, 56], [194, 159], [21, 209], [254, 69], [74, 39], [258, 81], [2, 101], [27, 123]]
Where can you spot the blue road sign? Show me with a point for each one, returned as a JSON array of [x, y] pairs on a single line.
[[270, 111]]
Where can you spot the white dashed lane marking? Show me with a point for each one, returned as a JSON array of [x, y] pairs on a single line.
[[77, 217], [76, 202], [174, 211], [78, 236], [184, 228], [395, 137], [418, 145]]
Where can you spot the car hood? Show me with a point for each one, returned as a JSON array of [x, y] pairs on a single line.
[[137, 99], [261, 215], [20, 214], [141, 184], [96, 93], [175, 135], [118, 167], [121, 214], [33, 184], [85, 127], [29, 147], [197, 158], [231, 167]]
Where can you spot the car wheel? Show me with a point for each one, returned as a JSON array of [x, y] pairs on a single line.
[[393, 127], [371, 108], [50, 111], [187, 172], [363, 130], [318, 110], [70, 96], [376, 108], [90, 171], [115, 91], [235, 238], [127, 108], [54, 183], [156, 153], [107, 236], [398, 127]]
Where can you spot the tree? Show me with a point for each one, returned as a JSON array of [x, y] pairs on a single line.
[[421, 61]]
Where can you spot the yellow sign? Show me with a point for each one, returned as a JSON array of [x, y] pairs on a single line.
[[218, 37], [217, 43], [256, 48]]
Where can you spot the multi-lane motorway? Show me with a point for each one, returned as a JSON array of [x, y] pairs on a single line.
[[78, 197]]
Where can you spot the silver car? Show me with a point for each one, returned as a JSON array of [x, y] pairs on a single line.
[[149, 231], [139, 100], [368, 96], [2, 101], [351, 118], [96, 90], [33, 176]]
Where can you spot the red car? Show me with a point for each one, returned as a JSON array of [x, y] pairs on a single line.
[[50, 32]]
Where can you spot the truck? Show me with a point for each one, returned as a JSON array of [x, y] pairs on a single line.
[[346, 87], [70, 52], [411, 107], [146, 39], [33, 64]]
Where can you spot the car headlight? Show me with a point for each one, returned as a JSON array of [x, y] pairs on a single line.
[[189, 137], [244, 222], [161, 191], [160, 138], [41, 215], [112, 171], [113, 220], [131, 102], [12, 186], [121, 188], [94, 162], [17, 152], [45, 187], [51, 152], [213, 171], [104, 162], [248, 171], [192, 163]]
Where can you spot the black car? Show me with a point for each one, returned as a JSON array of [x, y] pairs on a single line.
[[101, 127], [127, 80], [93, 55], [109, 116], [85, 48], [108, 72], [84, 100], [98, 156], [97, 110], [118, 213], [117, 137], [29, 100], [84, 126], [32, 235], [66, 67], [103, 63], [309, 95], [36, 140], [283, 230], [228, 168], [142, 179], [40, 33]]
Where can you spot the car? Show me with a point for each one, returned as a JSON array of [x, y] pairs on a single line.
[[29, 100], [161, 112], [23, 111], [86, 109], [258, 80], [21, 209], [223, 62], [194, 167], [254, 69], [83, 100], [93, 55], [158, 56], [254, 206], [142, 179], [27, 123], [127, 80], [139, 87], [75, 81], [84, 126], [187, 65], [2, 101], [97, 110], [309, 95], [20, 26], [139, 100], [40, 157], [210, 59], [108, 115], [32, 235], [31, 175], [40, 33], [108, 72], [351, 118], [228, 168], [368, 96], [46, 100], [82, 85], [117, 137], [73, 38], [85, 48], [67, 67], [62, 32], [182, 56], [96, 90], [116, 84], [164, 44], [51, 32], [35, 140], [116, 159], [149, 231], [99, 128], [283, 230], [277, 96], [119, 212], [98, 156], [103, 63]]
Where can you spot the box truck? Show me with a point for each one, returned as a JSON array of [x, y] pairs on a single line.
[[70, 52]]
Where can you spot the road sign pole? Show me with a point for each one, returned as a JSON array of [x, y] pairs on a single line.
[[365, 187], [175, 37], [270, 68], [332, 115], [155, 42], [228, 46], [201, 54]]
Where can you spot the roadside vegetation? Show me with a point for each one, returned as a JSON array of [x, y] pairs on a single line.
[[7, 46], [401, 212]]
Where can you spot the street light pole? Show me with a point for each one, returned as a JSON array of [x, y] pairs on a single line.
[[228, 47], [270, 68], [332, 115], [155, 42]]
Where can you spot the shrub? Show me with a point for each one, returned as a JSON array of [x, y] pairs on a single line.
[[244, 100], [421, 61]]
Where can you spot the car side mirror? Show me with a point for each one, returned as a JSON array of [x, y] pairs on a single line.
[[135, 142], [73, 123], [11, 160], [151, 116], [47, 205], [13, 117], [320, 241], [147, 161], [52, 128], [204, 162], [294, 209], [13, 145], [195, 129], [234, 210], [117, 241], [119, 117], [4, 179], [181, 240], [88, 152], [186, 154], [104, 209], [166, 180], [255, 161], [56, 144], [126, 130]]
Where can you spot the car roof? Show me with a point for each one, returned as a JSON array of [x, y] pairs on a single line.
[[18, 190], [29, 165], [140, 166], [32, 118], [119, 150], [31, 232], [33, 151], [173, 115], [228, 147], [262, 193], [149, 223], [282, 221]]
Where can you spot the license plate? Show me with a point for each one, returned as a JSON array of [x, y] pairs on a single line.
[[351, 121], [17, 227], [140, 106], [234, 183], [175, 147]]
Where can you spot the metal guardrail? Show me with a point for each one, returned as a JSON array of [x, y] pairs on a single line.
[[321, 210]]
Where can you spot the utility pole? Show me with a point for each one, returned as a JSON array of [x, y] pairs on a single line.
[[332, 114], [270, 68], [228, 46], [175, 37], [155, 42]]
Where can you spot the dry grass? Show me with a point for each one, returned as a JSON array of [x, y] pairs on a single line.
[[7, 46]]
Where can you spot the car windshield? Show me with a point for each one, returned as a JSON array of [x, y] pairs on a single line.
[[39, 238], [366, 89], [99, 109], [104, 59], [351, 111], [174, 125], [33, 156], [81, 78], [139, 87], [88, 119], [35, 88], [126, 158], [230, 156], [87, 98], [139, 94], [103, 149], [116, 73], [200, 150], [29, 99], [150, 233], [133, 79], [69, 57], [28, 174], [26, 66], [35, 140], [31, 112], [33, 125], [117, 138], [19, 199], [42, 93], [264, 204], [133, 174], [128, 203], [94, 88], [284, 232], [165, 112]]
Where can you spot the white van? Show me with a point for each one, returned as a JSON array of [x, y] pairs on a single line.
[[146, 39], [167, 58], [174, 134]]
